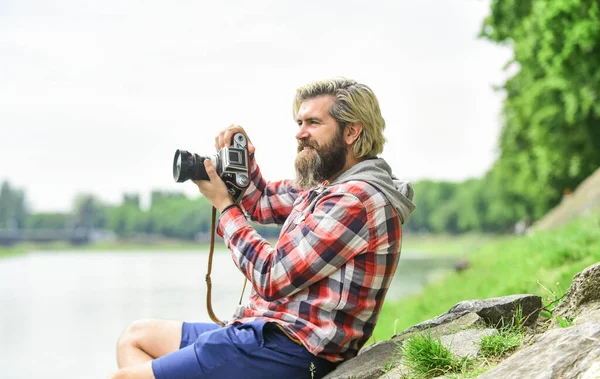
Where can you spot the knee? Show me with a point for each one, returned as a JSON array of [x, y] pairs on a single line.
[[135, 333]]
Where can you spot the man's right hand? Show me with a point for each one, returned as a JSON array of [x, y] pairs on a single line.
[[224, 138]]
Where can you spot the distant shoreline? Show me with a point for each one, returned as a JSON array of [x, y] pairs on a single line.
[[431, 245]]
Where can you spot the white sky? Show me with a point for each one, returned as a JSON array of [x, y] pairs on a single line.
[[95, 96]]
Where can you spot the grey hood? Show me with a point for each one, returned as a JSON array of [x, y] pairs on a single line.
[[378, 173]]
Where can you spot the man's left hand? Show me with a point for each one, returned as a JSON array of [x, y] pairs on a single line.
[[214, 189]]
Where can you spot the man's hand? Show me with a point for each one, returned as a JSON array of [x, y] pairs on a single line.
[[224, 137], [214, 189]]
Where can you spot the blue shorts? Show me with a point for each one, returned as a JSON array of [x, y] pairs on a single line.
[[249, 350]]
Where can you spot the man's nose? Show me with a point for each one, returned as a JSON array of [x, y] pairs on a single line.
[[302, 132]]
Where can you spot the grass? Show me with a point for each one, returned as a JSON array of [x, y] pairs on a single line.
[[426, 357], [507, 340], [501, 344], [564, 322], [6, 252], [445, 244], [506, 266]]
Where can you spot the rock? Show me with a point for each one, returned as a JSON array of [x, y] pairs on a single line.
[[588, 313], [466, 342], [372, 360], [462, 265], [560, 353], [395, 373], [368, 365], [494, 311], [466, 321], [585, 289]]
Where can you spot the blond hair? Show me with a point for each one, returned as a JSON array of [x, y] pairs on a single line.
[[353, 103]]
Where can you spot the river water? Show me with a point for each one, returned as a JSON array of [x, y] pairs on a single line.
[[61, 313]]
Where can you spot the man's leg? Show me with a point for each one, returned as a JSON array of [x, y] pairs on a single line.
[[145, 340], [139, 371], [251, 350]]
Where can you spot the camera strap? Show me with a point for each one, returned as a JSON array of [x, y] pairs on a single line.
[[211, 313]]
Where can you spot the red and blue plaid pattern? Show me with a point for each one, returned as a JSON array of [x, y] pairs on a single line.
[[326, 278]]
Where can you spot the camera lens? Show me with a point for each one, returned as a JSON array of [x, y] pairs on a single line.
[[177, 167], [188, 165]]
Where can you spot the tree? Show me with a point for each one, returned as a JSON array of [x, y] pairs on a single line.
[[89, 212], [550, 140], [43, 220], [13, 208]]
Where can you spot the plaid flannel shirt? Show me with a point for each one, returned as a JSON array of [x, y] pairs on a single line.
[[326, 278]]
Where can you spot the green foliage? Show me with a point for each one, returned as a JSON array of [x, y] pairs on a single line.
[[550, 137], [507, 340], [48, 220], [501, 344], [87, 211], [564, 322], [13, 208], [171, 215], [426, 357], [474, 205], [551, 133]]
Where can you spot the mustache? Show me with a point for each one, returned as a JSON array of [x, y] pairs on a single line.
[[306, 143]]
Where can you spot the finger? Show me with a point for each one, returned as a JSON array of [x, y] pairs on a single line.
[[251, 148], [210, 170], [229, 132]]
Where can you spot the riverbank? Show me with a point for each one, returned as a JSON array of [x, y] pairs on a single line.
[[447, 245], [426, 245], [6, 252], [542, 264], [116, 246]]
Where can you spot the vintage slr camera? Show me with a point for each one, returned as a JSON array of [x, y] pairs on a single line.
[[231, 163]]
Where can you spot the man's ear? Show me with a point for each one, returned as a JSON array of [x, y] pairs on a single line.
[[352, 132]]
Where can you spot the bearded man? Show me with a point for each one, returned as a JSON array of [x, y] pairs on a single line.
[[316, 294]]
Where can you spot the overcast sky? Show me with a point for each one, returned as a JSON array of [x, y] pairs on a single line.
[[95, 96]]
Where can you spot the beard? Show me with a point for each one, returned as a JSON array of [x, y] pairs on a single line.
[[321, 162]]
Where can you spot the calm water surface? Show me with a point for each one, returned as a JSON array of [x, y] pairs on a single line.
[[61, 313]]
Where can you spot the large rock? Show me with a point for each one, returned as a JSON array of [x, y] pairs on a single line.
[[584, 290], [496, 312], [560, 353], [466, 343], [368, 365], [374, 360]]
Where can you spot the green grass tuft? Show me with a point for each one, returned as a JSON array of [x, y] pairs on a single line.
[[507, 340], [426, 357], [501, 344]]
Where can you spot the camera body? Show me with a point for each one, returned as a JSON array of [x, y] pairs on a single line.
[[231, 163]]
